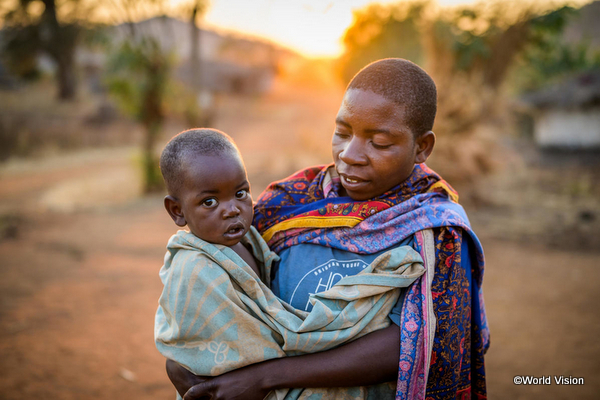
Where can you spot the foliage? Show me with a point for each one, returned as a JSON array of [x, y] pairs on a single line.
[[480, 41], [548, 57], [471, 52], [138, 76], [380, 31], [28, 34], [21, 45], [132, 69], [484, 41]]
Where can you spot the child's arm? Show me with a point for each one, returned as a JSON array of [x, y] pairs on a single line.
[[368, 360]]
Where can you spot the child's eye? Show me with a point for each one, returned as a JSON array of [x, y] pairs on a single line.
[[341, 135], [241, 194], [210, 203]]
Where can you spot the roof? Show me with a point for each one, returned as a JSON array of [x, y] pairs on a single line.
[[578, 91]]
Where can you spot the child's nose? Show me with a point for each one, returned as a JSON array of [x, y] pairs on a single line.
[[231, 210], [353, 153]]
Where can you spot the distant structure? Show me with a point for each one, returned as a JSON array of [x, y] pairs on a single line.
[[567, 114], [584, 27], [229, 63]]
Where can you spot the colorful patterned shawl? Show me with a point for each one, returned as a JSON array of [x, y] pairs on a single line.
[[305, 208]]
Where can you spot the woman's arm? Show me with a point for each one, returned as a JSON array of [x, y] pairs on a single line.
[[369, 360], [181, 378]]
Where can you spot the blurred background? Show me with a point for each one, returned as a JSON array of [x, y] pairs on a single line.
[[91, 91]]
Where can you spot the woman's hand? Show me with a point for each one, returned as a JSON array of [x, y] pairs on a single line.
[[370, 360], [241, 384], [181, 378]]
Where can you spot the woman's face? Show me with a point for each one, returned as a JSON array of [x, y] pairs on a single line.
[[373, 148]]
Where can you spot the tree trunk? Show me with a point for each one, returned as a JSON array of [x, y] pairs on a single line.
[[195, 52], [66, 77], [60, 42], [152, 118], [152, 178]]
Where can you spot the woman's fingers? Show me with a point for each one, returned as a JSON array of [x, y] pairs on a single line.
[[200, 392]]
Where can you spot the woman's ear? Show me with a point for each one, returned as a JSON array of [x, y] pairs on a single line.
[[174, 209], [424, 144]]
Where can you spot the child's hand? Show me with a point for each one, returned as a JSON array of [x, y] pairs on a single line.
[[181, 378]]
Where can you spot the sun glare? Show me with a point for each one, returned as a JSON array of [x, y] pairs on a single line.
[[313, 28]]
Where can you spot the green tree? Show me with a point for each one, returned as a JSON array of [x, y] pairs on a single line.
[[139, 75], [548, 57], [28, 34], [470, 52], [139, 72], [380, 31]]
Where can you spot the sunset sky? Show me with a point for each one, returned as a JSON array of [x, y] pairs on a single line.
[[311, 27]]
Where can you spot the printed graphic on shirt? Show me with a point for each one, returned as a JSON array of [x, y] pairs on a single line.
[[322, 278]]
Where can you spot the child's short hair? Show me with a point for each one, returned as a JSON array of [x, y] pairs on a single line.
[[404, 83], [201, 141]]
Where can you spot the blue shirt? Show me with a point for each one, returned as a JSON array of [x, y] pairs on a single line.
[[311, 268]]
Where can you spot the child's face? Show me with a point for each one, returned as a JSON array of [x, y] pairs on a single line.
[[373, 148], [215, 198]]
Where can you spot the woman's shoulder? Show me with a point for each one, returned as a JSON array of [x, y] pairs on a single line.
[[298, 189], [309, 173], [299, 181]]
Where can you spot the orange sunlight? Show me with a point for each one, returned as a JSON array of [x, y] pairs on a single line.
[[310, 27], [313, 28]]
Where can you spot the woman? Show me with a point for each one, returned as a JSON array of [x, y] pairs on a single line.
[[378, 194]]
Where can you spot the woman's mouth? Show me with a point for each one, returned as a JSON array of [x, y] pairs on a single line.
[[352, 181]]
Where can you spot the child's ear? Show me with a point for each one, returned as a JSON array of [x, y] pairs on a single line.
[[424, 145], [174, 209]]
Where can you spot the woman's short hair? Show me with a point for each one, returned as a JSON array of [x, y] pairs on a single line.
[[404, 83]]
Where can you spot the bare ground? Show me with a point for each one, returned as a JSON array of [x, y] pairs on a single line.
[[80, 252]]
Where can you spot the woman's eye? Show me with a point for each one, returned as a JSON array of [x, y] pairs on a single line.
[[342, 135], [381, 146], [241, 194], [209, 203]]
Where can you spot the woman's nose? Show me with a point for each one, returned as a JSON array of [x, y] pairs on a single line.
[[231, 210], [354, 152]]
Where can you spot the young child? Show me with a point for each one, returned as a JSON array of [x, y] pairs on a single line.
[[215, 314], [208, 189]]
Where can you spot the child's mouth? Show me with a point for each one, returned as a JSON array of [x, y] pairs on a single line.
[[235, 231]]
